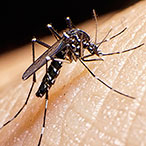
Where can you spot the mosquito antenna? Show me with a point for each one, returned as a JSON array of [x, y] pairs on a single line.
[[95, 17]]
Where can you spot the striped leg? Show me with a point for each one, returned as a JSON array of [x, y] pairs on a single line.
[[45, 111], [69, 23], [34, 80], [96, 77], [54, 32], [44, 119]]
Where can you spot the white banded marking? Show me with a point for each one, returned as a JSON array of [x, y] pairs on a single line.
[[42, 131], [46, 105]]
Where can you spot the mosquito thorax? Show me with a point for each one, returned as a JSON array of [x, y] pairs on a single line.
[[75, 37], [78, 34]]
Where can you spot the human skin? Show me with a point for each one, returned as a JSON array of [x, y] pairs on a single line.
[[81, 110]]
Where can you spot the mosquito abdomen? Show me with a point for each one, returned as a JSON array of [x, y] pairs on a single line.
[[51, 75]]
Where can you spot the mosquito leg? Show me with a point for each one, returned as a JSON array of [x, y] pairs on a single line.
[[20, 108], [69, 23], [40, 42], [61, 60], [54, 32], [80, 59], [45, 111], [34, 80], [44, 119], [81, 49], [33, 59], [113, 53], [104, 82], [94, 59]]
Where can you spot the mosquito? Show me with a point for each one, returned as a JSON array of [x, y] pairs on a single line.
[[69, 47]]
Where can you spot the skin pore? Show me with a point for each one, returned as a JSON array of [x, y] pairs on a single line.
[[81, 110]]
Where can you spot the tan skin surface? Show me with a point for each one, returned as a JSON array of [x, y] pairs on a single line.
[[81, 110]]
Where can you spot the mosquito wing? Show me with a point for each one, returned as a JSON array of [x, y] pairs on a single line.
[[54, 49]]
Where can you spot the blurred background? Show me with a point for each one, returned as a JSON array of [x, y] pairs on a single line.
[[22, 20]]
